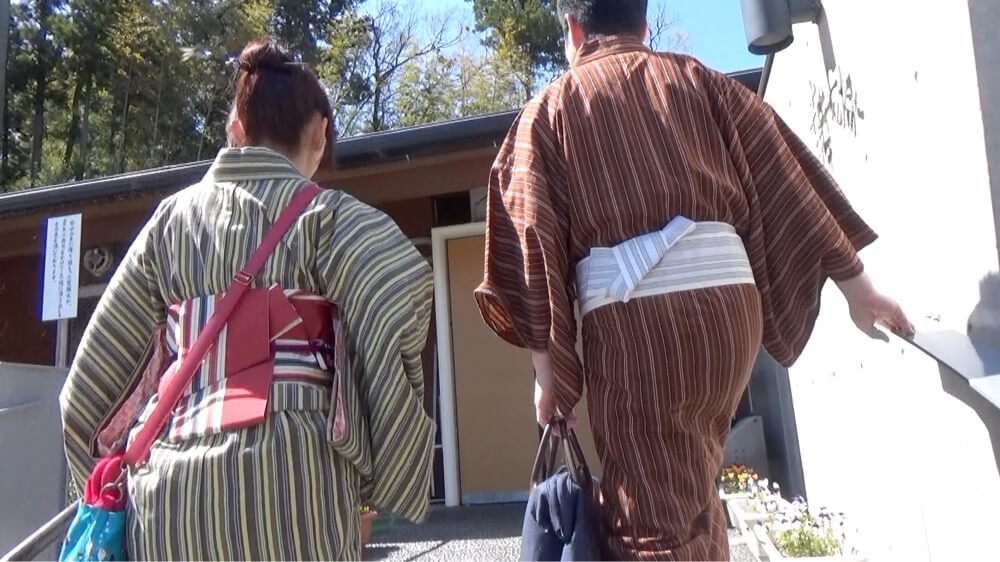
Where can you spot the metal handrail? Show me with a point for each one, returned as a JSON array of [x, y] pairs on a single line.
[[8, 410], [47, 535]]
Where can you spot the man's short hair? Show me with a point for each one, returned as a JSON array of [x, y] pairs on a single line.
[[605, 17]]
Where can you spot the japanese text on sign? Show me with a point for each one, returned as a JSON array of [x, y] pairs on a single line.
[[62, 267]]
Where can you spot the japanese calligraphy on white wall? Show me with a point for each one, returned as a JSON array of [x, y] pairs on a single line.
[[834, 103], [62, 267]]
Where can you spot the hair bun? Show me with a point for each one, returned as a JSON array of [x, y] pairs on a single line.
[[264, 54]]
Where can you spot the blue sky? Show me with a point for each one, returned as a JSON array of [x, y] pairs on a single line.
[[714, 28]]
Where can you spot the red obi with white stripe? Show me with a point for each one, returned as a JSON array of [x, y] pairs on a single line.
[[273, 339]]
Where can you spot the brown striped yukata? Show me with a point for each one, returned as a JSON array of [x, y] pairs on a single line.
[[287, 487], [616, 148]]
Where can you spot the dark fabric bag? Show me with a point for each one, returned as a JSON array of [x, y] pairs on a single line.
[[562, 521]]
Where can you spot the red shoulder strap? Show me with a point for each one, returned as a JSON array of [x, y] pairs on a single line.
[[176, 380]]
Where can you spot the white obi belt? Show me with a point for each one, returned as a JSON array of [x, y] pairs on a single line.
[[683, 256]]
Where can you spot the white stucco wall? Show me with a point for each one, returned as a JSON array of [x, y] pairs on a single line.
[[881, 440]]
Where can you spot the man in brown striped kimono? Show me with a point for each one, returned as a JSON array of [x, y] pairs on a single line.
[[688, 225]]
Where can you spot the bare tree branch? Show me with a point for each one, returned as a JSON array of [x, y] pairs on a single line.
[[394, 44], [666, 33]]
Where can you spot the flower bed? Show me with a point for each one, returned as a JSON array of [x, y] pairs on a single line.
[[796, 532], [759, 506], [737, 479], [735, 482]]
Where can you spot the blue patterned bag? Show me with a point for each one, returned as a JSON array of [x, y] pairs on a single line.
[[96, 534]]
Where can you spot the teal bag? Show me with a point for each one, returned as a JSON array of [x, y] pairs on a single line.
[[96, 535]]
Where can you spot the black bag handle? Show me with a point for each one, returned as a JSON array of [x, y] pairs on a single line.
[[548, 451]]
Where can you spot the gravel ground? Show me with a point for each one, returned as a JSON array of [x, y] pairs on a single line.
[[469, 533], [464, 533]]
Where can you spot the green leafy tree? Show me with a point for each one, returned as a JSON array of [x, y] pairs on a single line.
[[460, 85], [527, 31], [97, 87], [528, 37], [20, 74], [46, 53], [427, 91], [301, 24]]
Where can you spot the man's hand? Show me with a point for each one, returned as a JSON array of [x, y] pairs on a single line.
[[545, 399], [869, 307]]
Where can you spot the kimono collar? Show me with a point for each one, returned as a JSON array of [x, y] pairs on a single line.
[[251, 163], [605, 46]]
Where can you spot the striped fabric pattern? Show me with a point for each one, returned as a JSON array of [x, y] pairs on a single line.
[[682, 257], [621, 144], [275, 491], [636, 257], [202, 410], [288, 488]]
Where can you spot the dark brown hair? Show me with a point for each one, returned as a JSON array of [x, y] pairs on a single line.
[[605, 17], [277, 96]]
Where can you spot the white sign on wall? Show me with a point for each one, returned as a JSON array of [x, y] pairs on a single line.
[[62, 267]]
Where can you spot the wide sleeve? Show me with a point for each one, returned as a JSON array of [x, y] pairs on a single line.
[[113, 352], [383, 289], [800, 228], [527, 293]]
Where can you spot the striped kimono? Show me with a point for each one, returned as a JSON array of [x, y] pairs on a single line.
[[339, 320], [632, 146]]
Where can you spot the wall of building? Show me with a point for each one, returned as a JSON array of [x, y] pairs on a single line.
[[24, 338], [984, 15], [889, 97]]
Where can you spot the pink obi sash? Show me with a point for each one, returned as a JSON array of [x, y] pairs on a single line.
[[275, 353], [275, 336]]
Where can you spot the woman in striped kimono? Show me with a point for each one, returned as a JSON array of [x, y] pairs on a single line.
[[689, 226], [311, 401]]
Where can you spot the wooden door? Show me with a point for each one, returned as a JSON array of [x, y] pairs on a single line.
[[494, 382]]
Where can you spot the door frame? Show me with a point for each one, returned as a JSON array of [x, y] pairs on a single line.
[[446, 360]]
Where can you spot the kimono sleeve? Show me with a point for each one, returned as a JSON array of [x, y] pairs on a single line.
[[113, 352], [384, 290], [801, 229], [527, 293]]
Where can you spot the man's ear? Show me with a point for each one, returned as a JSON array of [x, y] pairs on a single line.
[[576, 34]]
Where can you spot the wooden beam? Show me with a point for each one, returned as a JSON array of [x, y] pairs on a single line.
[[97, 230], [448, 173], [95, 209]]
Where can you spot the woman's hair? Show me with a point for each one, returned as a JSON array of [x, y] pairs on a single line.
[[276, 97]]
